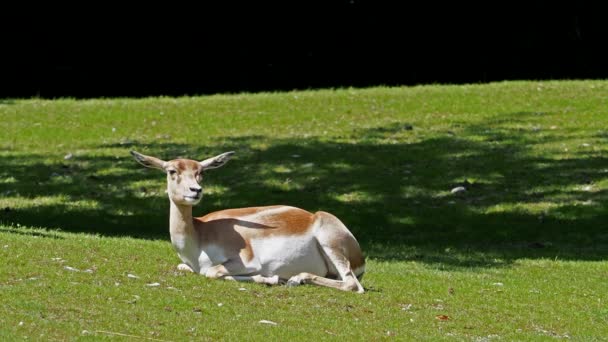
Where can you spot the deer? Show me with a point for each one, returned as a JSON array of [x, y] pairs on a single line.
[[271, 245]]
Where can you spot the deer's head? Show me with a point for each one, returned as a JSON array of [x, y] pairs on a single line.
[[184, 175]]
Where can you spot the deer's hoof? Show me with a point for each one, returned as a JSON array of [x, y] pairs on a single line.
[[184, 267], [294, 281]]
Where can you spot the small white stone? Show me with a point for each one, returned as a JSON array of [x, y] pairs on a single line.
[[458, 189], [153, 284], [267, 322], [132, 276], [71, 269]]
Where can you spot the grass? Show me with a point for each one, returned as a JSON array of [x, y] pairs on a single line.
[[520, 255]]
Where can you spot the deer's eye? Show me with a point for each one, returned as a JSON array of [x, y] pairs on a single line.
[[172, 172]]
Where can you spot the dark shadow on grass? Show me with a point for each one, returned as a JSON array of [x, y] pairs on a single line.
[[394, 195], [29, 232]]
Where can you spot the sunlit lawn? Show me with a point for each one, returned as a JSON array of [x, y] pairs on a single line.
[[520, 254]]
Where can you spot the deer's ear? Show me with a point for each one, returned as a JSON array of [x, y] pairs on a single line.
[[217, 161], [148, 161]]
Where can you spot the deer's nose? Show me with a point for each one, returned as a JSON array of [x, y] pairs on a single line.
[[196, 189]]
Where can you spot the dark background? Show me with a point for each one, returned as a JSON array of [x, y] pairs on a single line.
[[111, 50]]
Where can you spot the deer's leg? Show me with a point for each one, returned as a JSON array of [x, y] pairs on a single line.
[[235, 270], [336, 243], [335, 257], [349, 283], [255, 279]]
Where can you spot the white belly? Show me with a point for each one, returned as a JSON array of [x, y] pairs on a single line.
[[288, 256]]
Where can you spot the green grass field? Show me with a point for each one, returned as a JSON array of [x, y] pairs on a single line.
[[520, 255]]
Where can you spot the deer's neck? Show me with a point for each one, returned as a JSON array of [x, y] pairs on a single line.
[[183, 236], [180, 220]]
